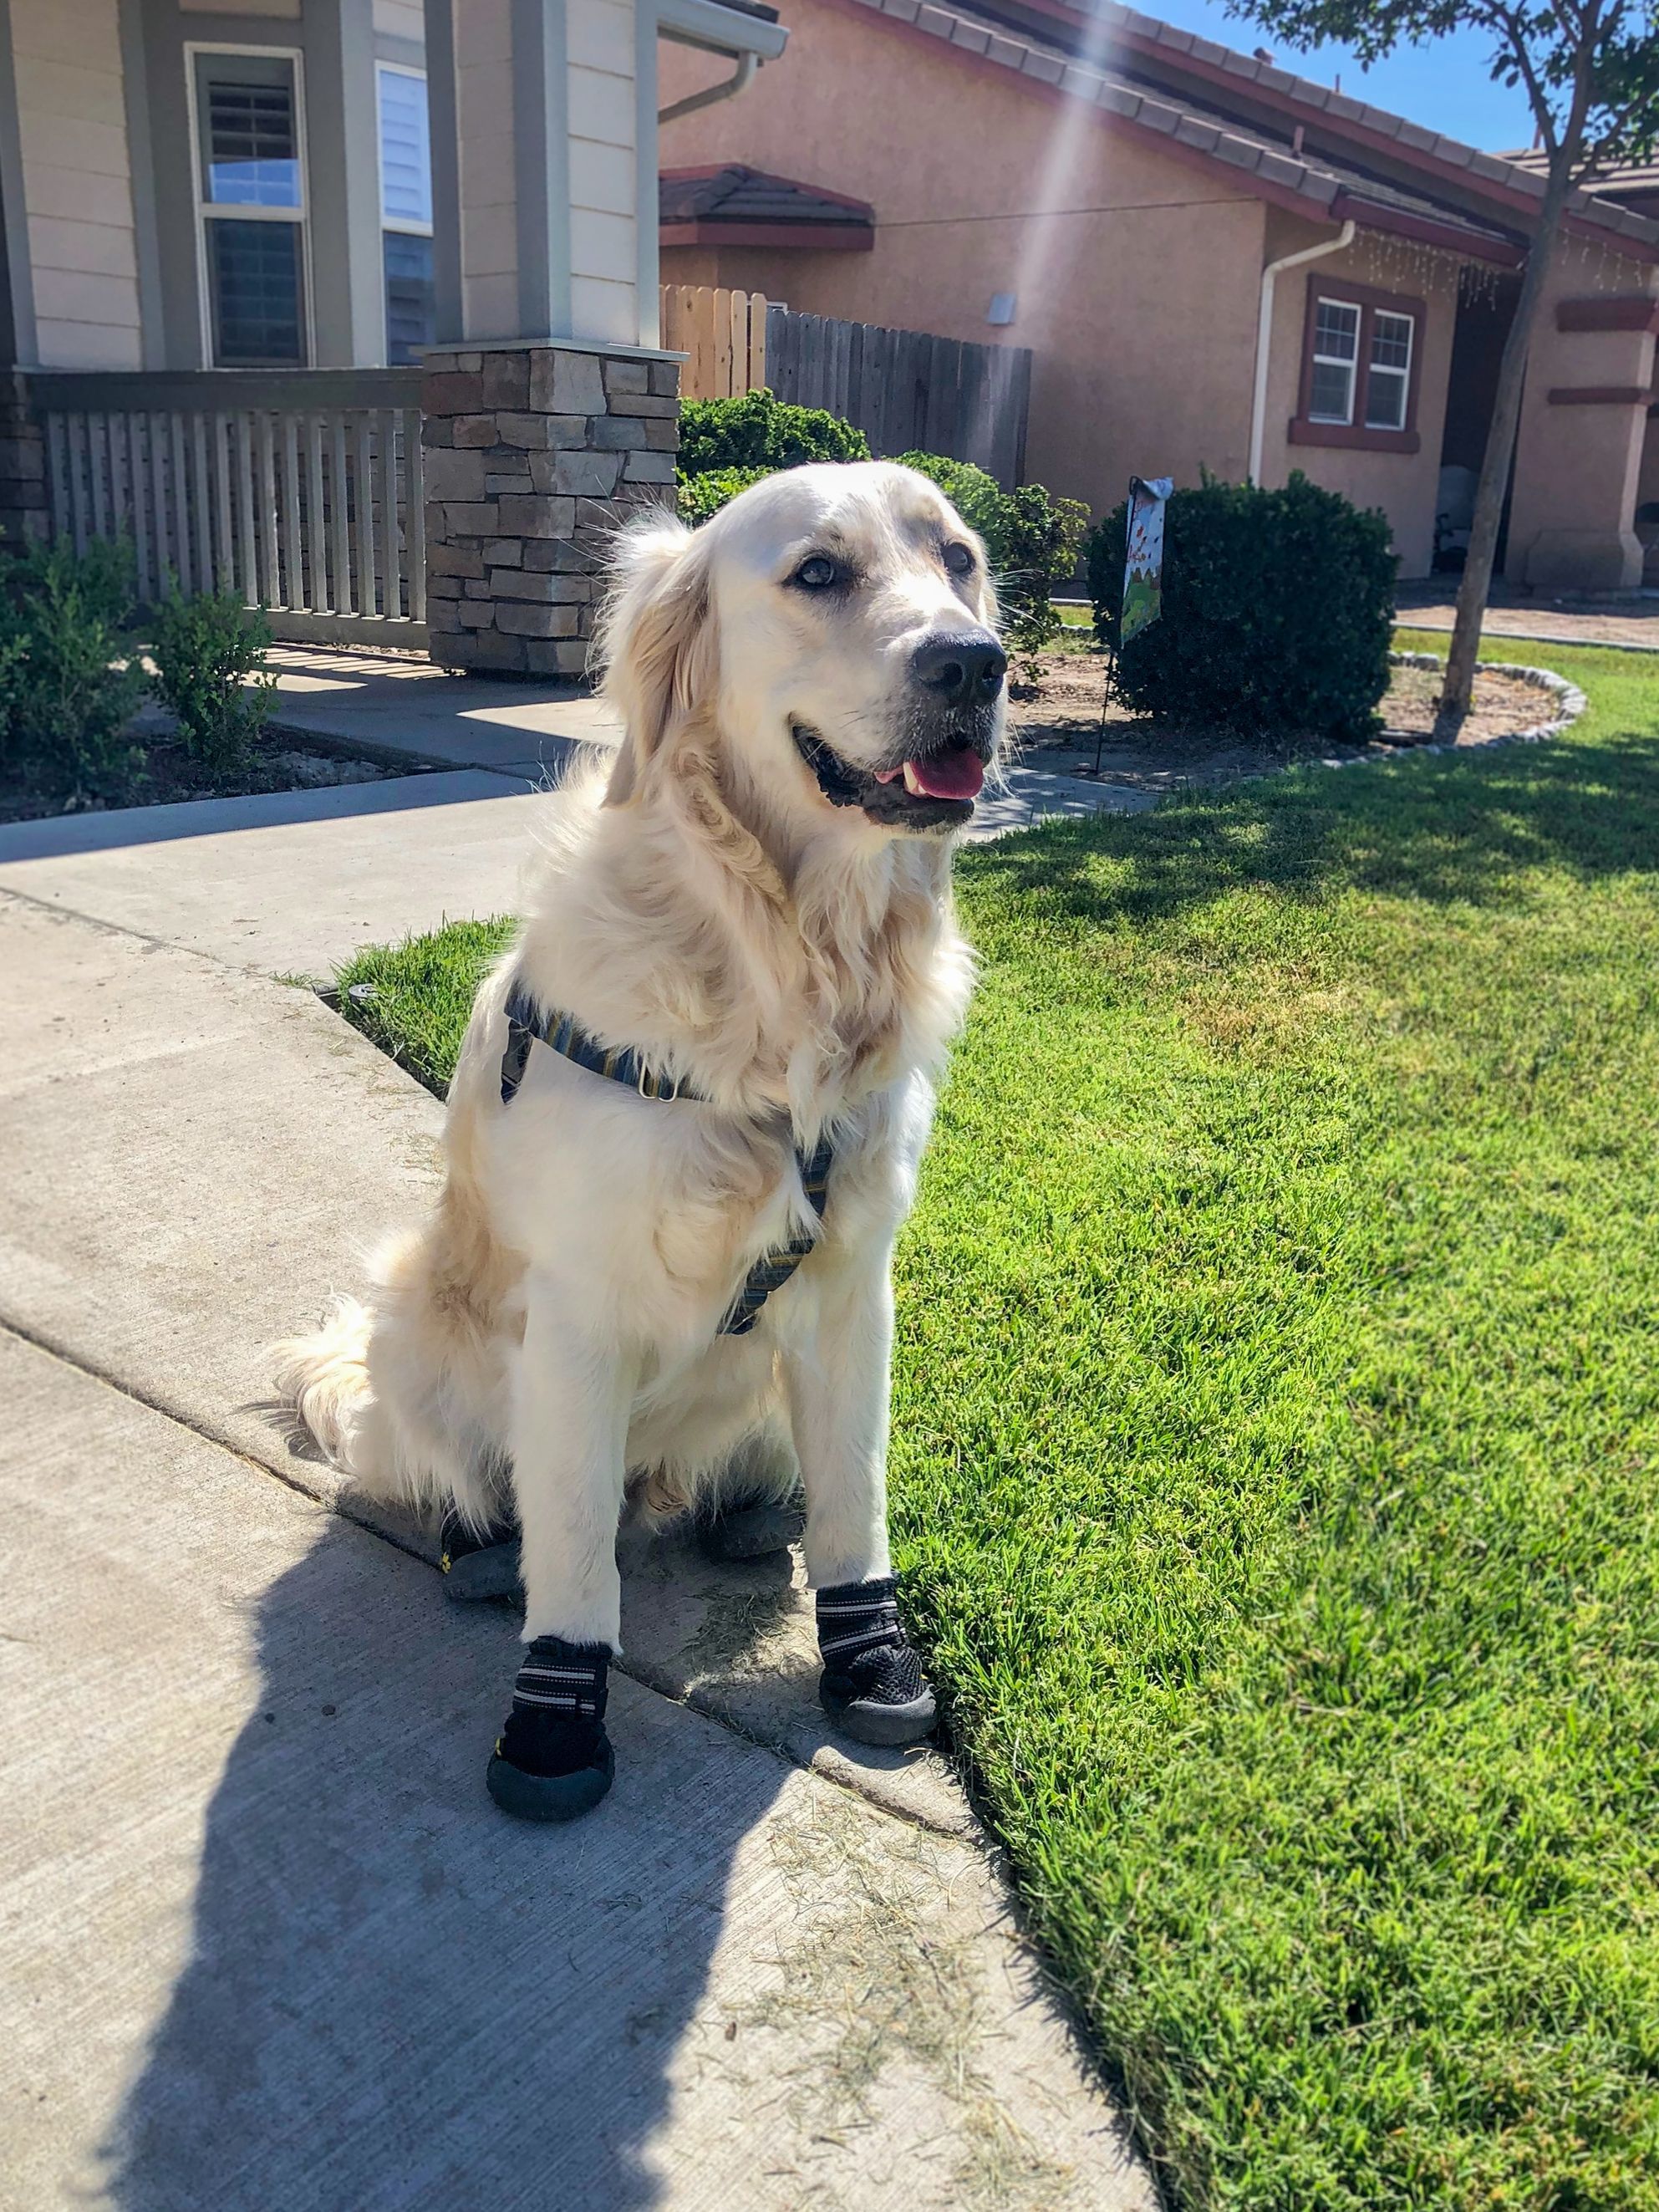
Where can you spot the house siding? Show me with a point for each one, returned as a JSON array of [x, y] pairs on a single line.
[[77, 184], [484, 102], [602, 109]]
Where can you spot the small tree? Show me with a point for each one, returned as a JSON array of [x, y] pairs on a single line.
[[1590, 69]]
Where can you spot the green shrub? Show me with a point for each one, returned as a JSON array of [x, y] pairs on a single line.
[[68, 686], [757, 431], [1277, 611], [698, 497], [203, 648], [1033, 539]]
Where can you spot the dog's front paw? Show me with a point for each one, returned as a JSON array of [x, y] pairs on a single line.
[[553, 1761], [873, 1685]]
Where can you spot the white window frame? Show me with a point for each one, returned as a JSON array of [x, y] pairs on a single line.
[[1351, 361], [404, 229], [205, 211], [1389, 369]]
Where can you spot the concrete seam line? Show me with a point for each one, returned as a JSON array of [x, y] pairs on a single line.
[[139, 936], [54, 1348]]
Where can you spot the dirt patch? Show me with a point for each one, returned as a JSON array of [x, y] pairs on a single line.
[[167, 773], [1065, 718]]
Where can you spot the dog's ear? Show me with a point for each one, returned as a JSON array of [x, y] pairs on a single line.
[[656, 639]]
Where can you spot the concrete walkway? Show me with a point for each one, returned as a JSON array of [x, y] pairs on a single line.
[[1629, 624], [294, 883], [267, 1943]]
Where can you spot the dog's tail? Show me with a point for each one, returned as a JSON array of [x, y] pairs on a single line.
[[324, 1379]]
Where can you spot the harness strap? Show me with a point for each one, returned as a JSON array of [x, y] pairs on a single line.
[[526, 1023]]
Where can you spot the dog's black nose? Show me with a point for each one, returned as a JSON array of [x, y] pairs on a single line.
[[965, 671]]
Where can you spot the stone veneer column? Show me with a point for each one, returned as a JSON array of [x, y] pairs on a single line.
[[531, 450], [22, 463]]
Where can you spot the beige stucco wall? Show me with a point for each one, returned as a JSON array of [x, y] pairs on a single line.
[[1578, 468], [1138, 294], [1404, 485], [77, 185]]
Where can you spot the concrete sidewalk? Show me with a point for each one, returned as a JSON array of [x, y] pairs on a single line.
[[294, 883], [268, 1943]]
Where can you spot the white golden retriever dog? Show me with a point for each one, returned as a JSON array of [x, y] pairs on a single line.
[[636, 1286]]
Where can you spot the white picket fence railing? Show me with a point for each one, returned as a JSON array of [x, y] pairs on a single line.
[[299, 490]]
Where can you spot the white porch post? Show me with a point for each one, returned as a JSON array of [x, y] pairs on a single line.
[[547, 408], [541, 102], [343, 129]]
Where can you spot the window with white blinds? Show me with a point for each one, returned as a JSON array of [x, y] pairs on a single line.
[[250, 205], [406, 210]]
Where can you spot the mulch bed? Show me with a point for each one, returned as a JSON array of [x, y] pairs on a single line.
[[168, 773], [1065, 717]]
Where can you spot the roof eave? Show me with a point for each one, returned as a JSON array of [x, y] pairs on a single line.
[[798, 237]]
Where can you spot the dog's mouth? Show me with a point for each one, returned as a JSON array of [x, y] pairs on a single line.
[[932, 789]]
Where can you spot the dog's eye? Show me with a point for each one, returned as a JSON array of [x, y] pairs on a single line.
[[959, 559], [819, 573]]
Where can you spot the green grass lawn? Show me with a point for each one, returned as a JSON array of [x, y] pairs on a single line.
[[1275, 1449]]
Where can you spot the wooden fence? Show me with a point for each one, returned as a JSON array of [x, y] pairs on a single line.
[[299, 490], [906, 389], [722, 335]]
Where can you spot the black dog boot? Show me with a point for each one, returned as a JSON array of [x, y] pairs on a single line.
[[477, 1567], [553, 1761], [873, 1684]]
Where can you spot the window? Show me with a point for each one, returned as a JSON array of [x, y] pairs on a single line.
[[1359, 370], [405, 211], [250, 205], [1335, 358], [1388, 376]]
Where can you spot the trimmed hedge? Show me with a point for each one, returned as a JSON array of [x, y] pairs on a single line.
[[1033, 538], [1277, 611], [700, 496], [760, 432]]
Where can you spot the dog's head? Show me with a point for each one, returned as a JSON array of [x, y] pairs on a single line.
[[836, 626]]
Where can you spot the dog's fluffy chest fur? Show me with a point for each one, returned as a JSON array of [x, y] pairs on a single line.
[[822, 1007]]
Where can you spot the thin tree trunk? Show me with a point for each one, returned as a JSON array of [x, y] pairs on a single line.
[[1476, 586]]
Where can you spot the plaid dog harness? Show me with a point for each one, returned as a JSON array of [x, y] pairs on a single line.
[[526, 1023]]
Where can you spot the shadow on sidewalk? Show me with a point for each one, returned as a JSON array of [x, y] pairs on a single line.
[[58, 835], [396, 1997]]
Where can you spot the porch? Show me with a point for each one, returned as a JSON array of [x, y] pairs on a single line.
[[230, 240]]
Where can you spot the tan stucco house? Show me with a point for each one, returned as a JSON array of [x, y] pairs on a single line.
[[1216, 263]]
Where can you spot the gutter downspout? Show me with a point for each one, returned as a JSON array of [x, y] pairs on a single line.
[[1264, 333], [743, 75]]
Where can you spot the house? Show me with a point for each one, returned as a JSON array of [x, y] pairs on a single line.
[[348, 304], [1217, 264]]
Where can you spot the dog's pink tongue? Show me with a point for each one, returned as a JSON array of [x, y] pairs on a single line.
[[959, 774]]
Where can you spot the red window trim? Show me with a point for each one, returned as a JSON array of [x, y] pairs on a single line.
[[1359, 434]]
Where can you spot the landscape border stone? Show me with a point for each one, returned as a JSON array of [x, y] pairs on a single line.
[[1570, 701]]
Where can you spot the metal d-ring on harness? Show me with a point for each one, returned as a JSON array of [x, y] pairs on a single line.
[[527, 1022]]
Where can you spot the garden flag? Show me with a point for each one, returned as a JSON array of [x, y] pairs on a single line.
[[1143, 569]]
